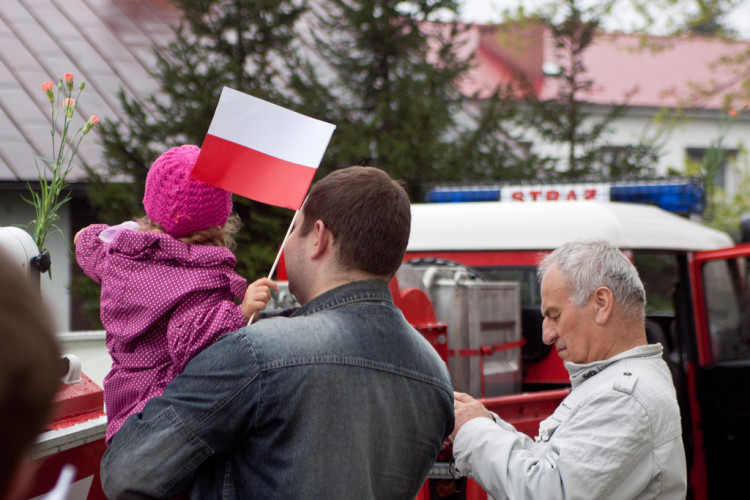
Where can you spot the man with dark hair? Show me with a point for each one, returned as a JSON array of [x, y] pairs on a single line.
[[373, 244], [617, 435], [29, 378], [342, 399]]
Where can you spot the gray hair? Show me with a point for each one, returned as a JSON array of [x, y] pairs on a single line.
[[588, 264]]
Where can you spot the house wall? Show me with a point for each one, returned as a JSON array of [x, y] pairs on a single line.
[[698, 130], [701, 132]]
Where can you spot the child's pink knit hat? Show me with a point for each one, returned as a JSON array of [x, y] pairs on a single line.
[[178, 203]]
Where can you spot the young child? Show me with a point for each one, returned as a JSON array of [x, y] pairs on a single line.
[[168, 282]]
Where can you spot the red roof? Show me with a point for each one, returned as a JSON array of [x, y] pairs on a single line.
[[639, 71], [107, 43]]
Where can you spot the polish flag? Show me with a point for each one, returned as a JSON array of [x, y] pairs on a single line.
[[261, 151]]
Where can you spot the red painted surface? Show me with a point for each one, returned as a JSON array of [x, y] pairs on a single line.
[[697, 474], [525, 411], [437, 336], [76, 403], [85, 458], [550, 370], [414, 303], [482, 259], [702, 340], [418, 311]]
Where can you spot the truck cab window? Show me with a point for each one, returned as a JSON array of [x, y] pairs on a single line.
[[727, 310], [659, 274], [526, 276]]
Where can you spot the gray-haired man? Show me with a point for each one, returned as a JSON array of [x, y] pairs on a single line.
[[617, 435]]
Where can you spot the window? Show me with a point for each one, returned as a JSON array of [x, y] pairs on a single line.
[[526, 276], [659, 274], [628, 160], [695, 157], [727, 309]]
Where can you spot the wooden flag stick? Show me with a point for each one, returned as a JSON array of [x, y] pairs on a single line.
[[278, 255]]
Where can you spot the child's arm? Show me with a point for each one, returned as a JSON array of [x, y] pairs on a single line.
[[257, 296], [90, 251]]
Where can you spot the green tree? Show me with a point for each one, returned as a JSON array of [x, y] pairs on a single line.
[[729, 210], [232, 43], [709, 18], [693, 17], [724, 210], [564, 122], [390, 83]]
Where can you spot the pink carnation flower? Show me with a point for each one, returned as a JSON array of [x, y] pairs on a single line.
[[68, 77]]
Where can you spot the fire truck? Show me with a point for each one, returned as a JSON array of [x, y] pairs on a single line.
[[476, 263], [468, 284]]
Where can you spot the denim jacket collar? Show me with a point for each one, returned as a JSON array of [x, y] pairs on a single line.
[[356, 291]]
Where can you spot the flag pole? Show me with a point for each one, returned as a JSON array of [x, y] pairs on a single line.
[[281, 249]]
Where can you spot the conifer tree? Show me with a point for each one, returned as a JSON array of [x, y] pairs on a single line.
[[576, 139], [390, 83], [230, 43]]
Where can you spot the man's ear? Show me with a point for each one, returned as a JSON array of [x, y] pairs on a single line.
[[323, 239], [604, 303]]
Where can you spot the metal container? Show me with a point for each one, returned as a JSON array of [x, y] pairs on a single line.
[[483, 317]]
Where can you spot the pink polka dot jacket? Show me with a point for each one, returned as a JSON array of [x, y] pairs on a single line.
[[162, 302]]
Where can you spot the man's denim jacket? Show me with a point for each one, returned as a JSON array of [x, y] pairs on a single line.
[[344, 399]]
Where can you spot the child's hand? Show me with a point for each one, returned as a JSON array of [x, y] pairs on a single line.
[[257, 296]]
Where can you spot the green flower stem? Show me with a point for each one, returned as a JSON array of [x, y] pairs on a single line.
[[53, 192]]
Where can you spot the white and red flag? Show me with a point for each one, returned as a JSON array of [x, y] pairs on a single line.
[[261, 151]]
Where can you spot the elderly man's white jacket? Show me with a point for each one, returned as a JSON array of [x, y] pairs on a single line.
[[616, 436]]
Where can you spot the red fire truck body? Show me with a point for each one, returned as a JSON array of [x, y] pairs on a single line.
[[696, 285]]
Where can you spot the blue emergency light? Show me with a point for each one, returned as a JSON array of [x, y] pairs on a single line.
[[682, 196], [685, 197], [457, 195]]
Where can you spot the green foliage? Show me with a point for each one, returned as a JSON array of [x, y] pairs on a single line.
[[728, 210], [373, 72], [684, 17], [716, 157], [563, 121], [706, 17], [724, 210]]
